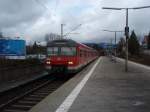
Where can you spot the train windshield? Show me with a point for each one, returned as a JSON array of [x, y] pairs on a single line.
[[69, 51], [52, 51], [61, 51]]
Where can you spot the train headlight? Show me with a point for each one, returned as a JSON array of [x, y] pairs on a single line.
[[48, 62], [70, 62]]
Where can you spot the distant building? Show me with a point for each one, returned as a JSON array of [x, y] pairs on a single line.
[[145, 41], [51, 37]]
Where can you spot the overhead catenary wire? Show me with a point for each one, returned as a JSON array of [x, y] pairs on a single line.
[[56, 6], [42, 4], [72, 30]]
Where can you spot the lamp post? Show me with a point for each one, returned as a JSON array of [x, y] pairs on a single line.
[[61, 36], [126, 27], [115, 39]]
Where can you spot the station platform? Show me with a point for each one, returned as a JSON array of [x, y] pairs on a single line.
[[5, 86], [103, 86]]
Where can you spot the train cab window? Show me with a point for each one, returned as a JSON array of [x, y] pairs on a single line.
[[52, 51], [69, 51]]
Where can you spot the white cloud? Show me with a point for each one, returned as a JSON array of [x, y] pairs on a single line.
[[32, 21]]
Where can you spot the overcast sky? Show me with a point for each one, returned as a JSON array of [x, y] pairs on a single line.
[[32, 19]]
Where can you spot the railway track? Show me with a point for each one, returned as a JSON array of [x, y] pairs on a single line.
[[24, 102]]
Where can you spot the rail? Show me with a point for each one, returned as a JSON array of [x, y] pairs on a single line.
[[28, 99]]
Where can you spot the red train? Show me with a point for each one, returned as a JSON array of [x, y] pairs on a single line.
[[68, 56]]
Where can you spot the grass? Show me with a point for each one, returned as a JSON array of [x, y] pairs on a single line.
[[6, 63]]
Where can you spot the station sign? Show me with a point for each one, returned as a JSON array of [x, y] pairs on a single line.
[[10, 47]]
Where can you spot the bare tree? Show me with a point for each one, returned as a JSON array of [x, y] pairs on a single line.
[[121, 44]]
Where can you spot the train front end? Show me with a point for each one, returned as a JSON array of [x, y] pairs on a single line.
[[62, 56]]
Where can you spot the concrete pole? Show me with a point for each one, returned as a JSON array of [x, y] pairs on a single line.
[[115, 47], [111, 49], [62, 31], [127, 37]]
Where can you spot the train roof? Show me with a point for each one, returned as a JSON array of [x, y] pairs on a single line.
[[62, 42], [68, 42]]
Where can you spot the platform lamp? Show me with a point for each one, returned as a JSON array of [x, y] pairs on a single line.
[[115, 39], [126, 27]]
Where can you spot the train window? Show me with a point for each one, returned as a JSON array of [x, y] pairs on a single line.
[[52, 51], [69, 51], [80, 53], [85, 53]]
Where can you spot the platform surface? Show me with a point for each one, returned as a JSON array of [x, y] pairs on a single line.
[[108, 89]]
